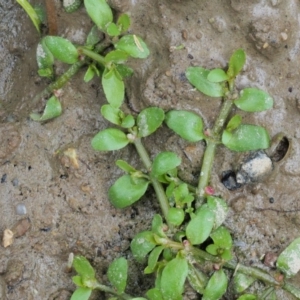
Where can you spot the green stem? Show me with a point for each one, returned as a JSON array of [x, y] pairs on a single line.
[[64, 78], [291, 289], [107, 289], [93, 55], [206, 168], [210, 150], [159, 190], [257, 273], [59, 82]]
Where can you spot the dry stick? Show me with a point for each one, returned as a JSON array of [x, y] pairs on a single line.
[[277, 210], [51, 17]]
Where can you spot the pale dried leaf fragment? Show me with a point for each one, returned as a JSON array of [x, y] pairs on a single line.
[[8, 238], [71, 153]]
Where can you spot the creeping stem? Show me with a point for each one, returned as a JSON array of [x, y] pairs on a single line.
[[64, 78], [107, 289], [93, 55], [199, 254], [159, 190], [210, 150]]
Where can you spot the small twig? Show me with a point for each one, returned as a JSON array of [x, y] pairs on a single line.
[[276, 210], [51, 17]]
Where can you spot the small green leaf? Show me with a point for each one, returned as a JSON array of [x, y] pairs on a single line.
[[100, 12], [125, 191], [252, 99], [117, 274], [112, 29], [226, 254], [116, 56], [288, 261], [149, 120], [111, 114], [158, 225], [216, 286], [89, 74], [154, 294], [236, 63], [44, 59], [246, 138], [217, 75], [82, 293], [248, 297], [113, 87], [197, 279], [164, 162], [212, 249], [186, 124], [242, 281], [222, 238], [77, 280], [168, 254], [175, 216], [94, 37], [142, 244], [109, 139], [83, 267], [173, 278], [133, 45], [123, 22], [125, 166], [128, 122], [234, 123], [31, 13], [197, 76], [48, 72], [52, 110], [124, 71], [220, 209], [153, 258], [200, 227], [62, 49]]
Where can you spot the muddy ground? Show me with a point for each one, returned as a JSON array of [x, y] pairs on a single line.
[[68, 207]]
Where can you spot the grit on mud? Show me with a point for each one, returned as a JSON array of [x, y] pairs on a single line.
[[64, 208]]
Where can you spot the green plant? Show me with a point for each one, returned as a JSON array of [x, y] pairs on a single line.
[[188, 241], [105, 58]]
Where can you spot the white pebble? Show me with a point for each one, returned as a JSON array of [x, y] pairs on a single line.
[[21, 209]]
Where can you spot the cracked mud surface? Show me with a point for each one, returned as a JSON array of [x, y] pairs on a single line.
[[67, 205]]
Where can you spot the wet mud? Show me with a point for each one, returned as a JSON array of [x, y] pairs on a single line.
[[66, 206]]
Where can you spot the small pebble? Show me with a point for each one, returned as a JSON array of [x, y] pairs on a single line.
[[3, 178], [15, 182], [265, 45], [21, 209], [199, 35], [21, 227], [284, 36], [184, 34]]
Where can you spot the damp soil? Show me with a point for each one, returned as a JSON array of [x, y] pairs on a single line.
[[67, 209]]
